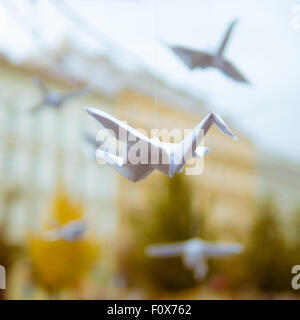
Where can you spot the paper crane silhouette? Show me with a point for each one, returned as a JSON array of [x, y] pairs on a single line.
[[199, 59], [53, 99], [171, 157], [194, 253]]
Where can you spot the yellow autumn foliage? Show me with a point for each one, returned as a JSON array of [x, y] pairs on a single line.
[[64, 210], [62, 264]]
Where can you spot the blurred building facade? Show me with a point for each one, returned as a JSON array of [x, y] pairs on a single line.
[[41, 150], [280, 179]]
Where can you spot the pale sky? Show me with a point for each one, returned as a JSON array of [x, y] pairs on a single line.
[[264, 46]]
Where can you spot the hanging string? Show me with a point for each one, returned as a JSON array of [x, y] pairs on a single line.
[[155, 54], [156, 103]]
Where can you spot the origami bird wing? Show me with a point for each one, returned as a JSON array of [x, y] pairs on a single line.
[[165, 250], [231, 71], [221, 249], [226, 38], [131, 136], [193, 58], [132, 172], [121, 130], [73, 230], [68, 232]]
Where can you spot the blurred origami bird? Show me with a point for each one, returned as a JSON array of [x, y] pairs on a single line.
[[170, 157], [199, 59], [194, 253], [63, 251], [53, 99], [71, 231]]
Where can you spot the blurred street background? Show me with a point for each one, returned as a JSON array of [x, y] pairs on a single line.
[[249, 191]]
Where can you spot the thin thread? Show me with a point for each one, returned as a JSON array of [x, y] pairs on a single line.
[[155, 78], [156, 103]]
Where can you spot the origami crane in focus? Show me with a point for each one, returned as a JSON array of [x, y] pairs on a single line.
[[194, 253], [199, 59], [171, 156], [53, 99], [71, 231]]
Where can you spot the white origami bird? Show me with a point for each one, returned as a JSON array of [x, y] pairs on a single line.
[[199, 59], [194, 253], [71, 231], [95, 149], [53, 99], [170, 157]]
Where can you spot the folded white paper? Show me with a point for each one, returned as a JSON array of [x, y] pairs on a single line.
[[71, 231], [194, 253], [171, 157], [199, 59]]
